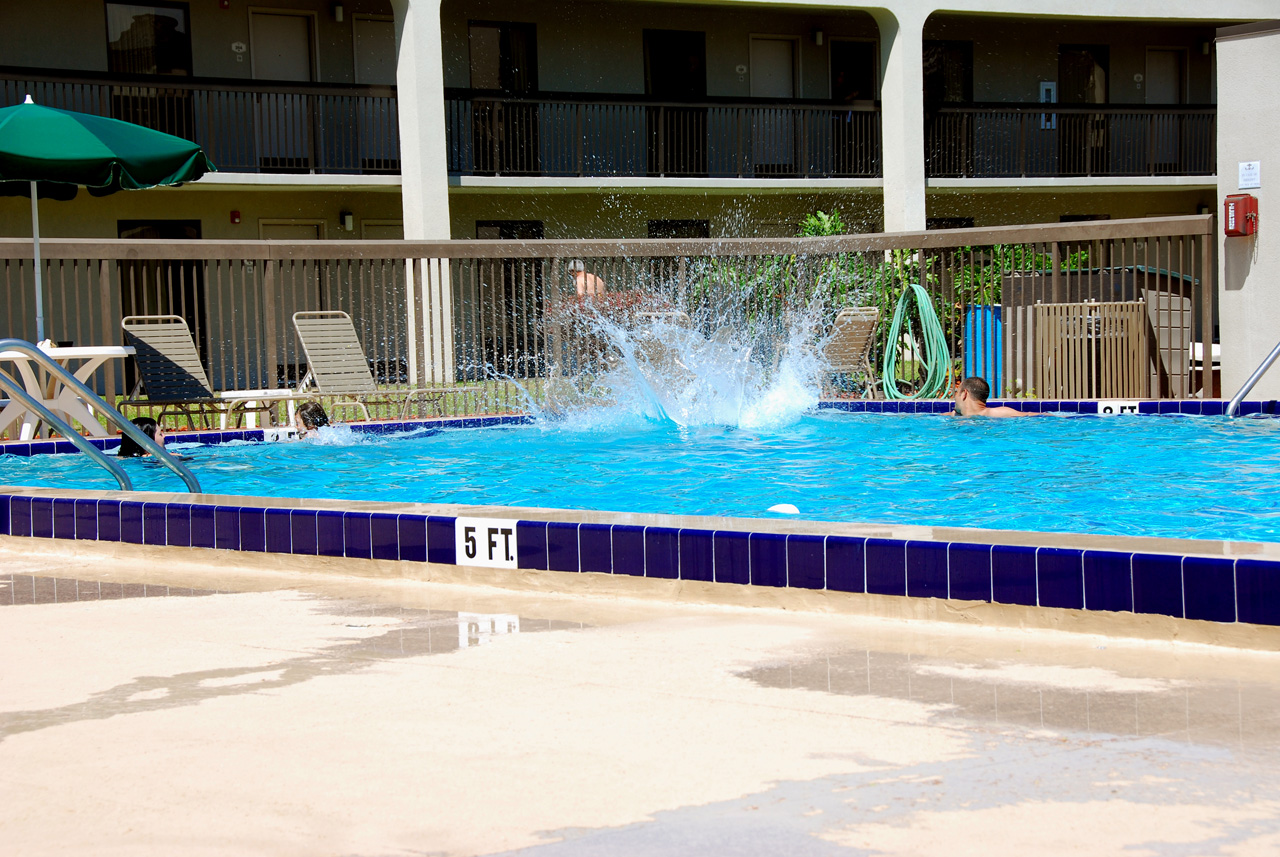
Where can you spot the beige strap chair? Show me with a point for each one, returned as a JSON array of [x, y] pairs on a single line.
[[170, 372], [848, 347], [337, 366]]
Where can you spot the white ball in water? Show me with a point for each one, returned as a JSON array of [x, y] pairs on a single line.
[[784, 509]]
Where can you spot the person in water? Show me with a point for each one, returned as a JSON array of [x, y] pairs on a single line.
[[308, 419], [130, 448], [971, 401]]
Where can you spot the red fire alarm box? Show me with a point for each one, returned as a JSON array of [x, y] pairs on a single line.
[[1240, 214]]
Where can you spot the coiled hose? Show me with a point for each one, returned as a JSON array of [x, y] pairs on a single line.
[[937, 356]]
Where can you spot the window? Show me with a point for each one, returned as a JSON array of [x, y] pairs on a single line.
[[148, 38], [676, 229]]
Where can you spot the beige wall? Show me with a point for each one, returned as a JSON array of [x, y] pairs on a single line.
[[72, 34], [1249, 268]]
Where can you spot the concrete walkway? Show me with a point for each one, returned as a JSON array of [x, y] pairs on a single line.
[[199, 711]]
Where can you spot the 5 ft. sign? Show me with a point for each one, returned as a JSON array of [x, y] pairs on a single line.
[[489, 542]]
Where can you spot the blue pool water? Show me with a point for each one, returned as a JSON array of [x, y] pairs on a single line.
[[1197, 477]]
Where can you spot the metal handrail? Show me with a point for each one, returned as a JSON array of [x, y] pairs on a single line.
[[1253, 379], [14, 389], [113, 416]]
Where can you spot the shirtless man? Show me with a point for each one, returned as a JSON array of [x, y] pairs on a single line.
[[971, 401], [586, 283]]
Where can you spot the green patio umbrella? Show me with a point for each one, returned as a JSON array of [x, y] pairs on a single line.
[[52, 153]]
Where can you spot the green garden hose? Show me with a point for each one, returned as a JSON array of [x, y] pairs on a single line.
[[936, 362]]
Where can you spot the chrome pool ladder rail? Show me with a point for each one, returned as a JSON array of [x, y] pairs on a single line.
[[96, 402], [1234, 406]]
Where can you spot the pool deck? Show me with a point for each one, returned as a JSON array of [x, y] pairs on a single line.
[[238, 703]]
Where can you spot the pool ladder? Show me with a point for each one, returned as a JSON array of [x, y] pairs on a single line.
[[17, 391], [1234, 406]]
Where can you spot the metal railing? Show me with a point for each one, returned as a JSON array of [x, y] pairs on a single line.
[[1056, 140], [243, 126], [580, 135], [494, 321], [1234, 405], [114, 417]]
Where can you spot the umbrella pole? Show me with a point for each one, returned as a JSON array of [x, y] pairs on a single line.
[[35, 240]]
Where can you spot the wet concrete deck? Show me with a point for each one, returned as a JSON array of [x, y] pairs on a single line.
[[158, 710]]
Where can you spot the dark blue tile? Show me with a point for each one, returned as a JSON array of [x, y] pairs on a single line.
[[1212, 408], [1048, 406], [697, 555], [1168, 407], [64, 518], [1258, 591], [356, 536], [253, 529], [969, 572], [1068, 407], [42, 517], [846, 564], [177, 521], [226, 527], [768, 559], [442, 546], [886, 567], [1027, 406], [108, 520], [1157, 584], [562, 546], [662, 553], [303, 536], [1148, 407], [86, 519], [413, 537], [806, 562], [46, 447], [329, 533], [1209, 588], [531, 545], [279, 531], [384, 536], [886, 407], [1190, 407], [1013, 575], [628, 551], [1108, 581], [155, 524], [203, 531], [732, 557], [131, 522], [595, 548], [1087, 407], [927, 569], [1060, 578], [1247, 408]]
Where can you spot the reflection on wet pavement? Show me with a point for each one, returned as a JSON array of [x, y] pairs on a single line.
[[1088, 700], [18, 589]]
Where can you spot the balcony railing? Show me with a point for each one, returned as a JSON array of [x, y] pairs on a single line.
[[1056, 140], [611, 136], [244, 127]]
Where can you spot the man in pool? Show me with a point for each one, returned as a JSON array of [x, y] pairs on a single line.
[[971, 401]]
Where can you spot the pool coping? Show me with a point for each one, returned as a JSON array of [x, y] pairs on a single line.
[[1225, 582]]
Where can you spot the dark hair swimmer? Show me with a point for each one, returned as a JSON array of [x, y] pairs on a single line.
[[130, 448], [309, 418], [971, 401]]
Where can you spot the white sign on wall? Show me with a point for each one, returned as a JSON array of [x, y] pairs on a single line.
[[1117, 406], [1250, 174], [488, 542]]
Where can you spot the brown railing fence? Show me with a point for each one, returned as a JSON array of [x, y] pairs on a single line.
[[1088, 310], [243, 127], [1051, 140], [566, 136]]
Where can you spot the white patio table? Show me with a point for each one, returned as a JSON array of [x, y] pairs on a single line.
[[82, 362]]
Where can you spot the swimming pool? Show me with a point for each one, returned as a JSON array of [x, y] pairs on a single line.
[[1169, 476]]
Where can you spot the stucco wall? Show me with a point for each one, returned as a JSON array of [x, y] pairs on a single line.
[[1249, 268]]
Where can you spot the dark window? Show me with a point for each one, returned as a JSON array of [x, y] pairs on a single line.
[[148, 38], [948, 73], [504, 57], [674, 229], [509, 230]]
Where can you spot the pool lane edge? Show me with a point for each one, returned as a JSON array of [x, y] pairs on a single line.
[[1208, 591]]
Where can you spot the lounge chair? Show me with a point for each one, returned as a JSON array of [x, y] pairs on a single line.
[[337, 366], [848, 349], [170, 372]]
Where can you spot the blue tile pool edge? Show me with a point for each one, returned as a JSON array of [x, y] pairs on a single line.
[[1243, 588]]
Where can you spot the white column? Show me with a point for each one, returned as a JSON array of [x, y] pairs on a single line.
[[902, 117], [424, 174]]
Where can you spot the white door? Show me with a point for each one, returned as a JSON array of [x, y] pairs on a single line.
[[378, 122], [281, 50], [1165, 85], [773, 75]]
